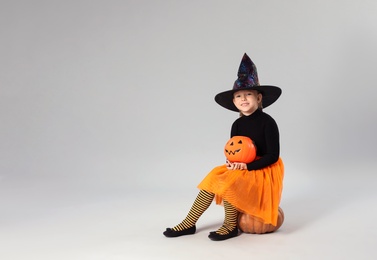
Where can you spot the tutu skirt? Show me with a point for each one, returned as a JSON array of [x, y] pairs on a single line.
[[256, 192]]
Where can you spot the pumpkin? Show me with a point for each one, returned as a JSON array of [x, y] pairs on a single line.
[[240, 149], [252, 225]]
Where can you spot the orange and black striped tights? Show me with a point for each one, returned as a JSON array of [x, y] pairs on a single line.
[[201, 204]]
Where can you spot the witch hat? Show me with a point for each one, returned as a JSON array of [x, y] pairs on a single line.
[[248, 80]]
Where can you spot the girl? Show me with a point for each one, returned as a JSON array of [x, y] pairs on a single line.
[[254, 188]]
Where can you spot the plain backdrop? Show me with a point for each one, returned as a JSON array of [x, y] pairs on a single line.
[[108, 123]]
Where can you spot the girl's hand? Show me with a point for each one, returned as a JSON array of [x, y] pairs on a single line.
[[235, 166], [229, 165]]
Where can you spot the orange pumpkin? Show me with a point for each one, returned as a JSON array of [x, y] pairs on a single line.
[[252, 225], [240, 149]]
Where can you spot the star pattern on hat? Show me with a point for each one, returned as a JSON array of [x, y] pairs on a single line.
[[247, 74]]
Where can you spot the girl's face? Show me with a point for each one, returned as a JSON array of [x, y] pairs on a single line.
[[247, 101]]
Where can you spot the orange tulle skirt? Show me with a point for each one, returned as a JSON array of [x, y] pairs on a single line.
[[256, 192]]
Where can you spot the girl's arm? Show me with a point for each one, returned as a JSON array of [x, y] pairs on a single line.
[[272, 147]]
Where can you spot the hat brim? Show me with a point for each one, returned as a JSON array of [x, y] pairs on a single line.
[[270, 95]]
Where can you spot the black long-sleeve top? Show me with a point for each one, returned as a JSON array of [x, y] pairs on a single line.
[[263, 130]]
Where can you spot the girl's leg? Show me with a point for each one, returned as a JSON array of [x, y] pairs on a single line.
[[229, 228], [187, 226], [230, 221], [201, 204]]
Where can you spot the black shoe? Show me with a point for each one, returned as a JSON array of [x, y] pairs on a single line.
[[217, 237], [172, 233]]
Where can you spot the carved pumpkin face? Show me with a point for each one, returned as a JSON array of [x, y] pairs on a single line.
[[240, 149]]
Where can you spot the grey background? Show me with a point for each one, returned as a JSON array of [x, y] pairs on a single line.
[[108, 123]]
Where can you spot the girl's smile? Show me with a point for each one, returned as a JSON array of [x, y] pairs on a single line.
[[247, 101]]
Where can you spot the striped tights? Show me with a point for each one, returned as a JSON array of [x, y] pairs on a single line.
[[201, 204]]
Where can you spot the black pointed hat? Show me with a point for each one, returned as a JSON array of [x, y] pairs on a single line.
[[248, 80]]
